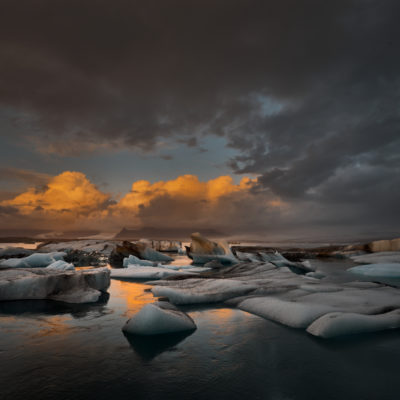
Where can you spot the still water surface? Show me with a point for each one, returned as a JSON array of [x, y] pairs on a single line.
[[52, 350]]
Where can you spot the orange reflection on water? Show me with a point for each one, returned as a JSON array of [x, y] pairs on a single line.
[[53, 325], [132, 294]]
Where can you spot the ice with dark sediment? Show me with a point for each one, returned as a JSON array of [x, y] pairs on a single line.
[[279, 294], [202, 251], [159, 318], [43, 283]]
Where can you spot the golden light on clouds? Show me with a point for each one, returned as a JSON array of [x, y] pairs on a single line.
[[185, 186], [71, 199], [69, 192]]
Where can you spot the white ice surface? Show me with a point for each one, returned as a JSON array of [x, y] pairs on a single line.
[[279, 294], [377, 270], [35, 260], [154, 319], [344, 323], [61, 265], [143, 272], [384, 257], [44, 283], [133, 260], [203, 291], [290, 313]]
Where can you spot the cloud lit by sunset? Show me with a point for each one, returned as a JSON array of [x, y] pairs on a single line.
[[71, 198]]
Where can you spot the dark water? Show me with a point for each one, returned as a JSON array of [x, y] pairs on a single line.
[[51, 350]]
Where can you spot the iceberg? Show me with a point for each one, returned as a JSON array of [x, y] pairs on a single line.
[[278, 294], [157, 319], [133, 260], [342, 323], [386, 273], [52, 284], [142, 272], [290, 313], [35, 260], [195, 291], [203, 251], [61, 265], [384, 257]]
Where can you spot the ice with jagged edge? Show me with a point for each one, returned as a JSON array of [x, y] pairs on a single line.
[[159, 318], [53, 284]]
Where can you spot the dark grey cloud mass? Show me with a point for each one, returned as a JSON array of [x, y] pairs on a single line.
[[307, 91]]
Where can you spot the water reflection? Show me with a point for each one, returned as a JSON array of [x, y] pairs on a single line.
[[149, 347]]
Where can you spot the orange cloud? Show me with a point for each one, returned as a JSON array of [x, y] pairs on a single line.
[[71, 199], [70, 192], [185, 187]]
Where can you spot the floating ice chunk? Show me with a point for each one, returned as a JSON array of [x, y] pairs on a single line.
[[290, 313], [205, 258], [197, 269], [143, 272], [316, 275], [247, 256], [35, 260], [61, 265], [133, 260], [86, 246], [387, 273], [86, 295], [386, 257], [159, 318], [196, 291], [153, 255], [44, 283], [342, 323], [377, 270]]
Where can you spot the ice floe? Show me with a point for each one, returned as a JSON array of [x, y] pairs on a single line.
[[383, 257], [343, 323], [143, 272], [386, 273], [278, 294], [61, 265], [159, 318], [35, 260], [202, 251], [133, 260], [43, 283]]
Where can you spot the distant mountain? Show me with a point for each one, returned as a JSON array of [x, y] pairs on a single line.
[[165, 233]]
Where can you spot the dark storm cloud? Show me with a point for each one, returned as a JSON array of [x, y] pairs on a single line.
[[307, 91]]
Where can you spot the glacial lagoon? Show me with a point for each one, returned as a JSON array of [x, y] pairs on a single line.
[[52, 350]]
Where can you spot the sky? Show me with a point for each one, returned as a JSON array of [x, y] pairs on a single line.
[[256, 118]]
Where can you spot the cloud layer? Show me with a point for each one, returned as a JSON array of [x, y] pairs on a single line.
[[306, 92], [70, 200]]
